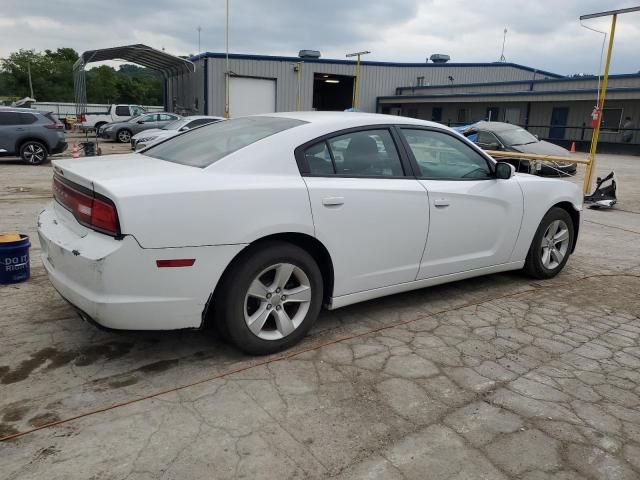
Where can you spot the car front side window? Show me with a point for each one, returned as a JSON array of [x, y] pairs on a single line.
[[442, 156]]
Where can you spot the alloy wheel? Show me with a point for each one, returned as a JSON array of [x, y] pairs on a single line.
[[555, 243], [124, 136], [34, 153], [277, 301]]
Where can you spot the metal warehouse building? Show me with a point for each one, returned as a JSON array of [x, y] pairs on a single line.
[[552, 106]]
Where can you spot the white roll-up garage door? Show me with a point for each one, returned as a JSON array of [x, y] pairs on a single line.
[[249, 96]]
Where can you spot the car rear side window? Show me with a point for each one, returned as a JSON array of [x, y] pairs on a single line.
[[27, 118], [440, 155], [122, 111], [204, 146], [366, 153]]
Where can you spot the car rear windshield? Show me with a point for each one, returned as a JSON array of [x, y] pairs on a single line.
[[203, 146]]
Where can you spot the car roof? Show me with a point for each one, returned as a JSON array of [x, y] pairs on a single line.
[[198, 117], [341, 120], [493, 126], [22, 110]]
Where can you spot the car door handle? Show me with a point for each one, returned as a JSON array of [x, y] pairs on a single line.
[[19, 129], [333, 201], [441, 202]]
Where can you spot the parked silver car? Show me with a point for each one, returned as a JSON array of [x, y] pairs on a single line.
[[30, 134], [123, 131], [148, 137]]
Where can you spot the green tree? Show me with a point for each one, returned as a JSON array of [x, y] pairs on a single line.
[[52, 77]]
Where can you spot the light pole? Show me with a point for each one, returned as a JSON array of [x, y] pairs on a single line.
[[603, 93], [227, 94], [297, 67], [199, 30], [355, 90]]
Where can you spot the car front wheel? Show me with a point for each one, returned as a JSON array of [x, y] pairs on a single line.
[[124, 136], [551, 245], [270, 298], [33, 153]]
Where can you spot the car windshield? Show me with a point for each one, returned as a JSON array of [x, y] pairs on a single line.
[[204, 146], [516, 136], [176, 124]]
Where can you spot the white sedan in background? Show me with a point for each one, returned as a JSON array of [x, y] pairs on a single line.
[[149, 137], [255, 223]]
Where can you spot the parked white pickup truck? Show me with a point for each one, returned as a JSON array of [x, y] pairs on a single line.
[[114, 113]]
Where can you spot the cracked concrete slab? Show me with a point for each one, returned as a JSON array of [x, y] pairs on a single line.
[[496, 377]]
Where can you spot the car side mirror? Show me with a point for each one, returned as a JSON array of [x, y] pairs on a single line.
[[140, 122], [184, 129], [504, 170], [494, 146]]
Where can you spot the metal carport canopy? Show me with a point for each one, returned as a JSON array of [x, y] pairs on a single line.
[[140, 54]]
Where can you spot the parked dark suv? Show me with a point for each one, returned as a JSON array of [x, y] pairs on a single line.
[[30, 134]]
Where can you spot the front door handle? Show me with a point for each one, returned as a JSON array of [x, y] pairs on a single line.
[[333, 201], [441, 202]]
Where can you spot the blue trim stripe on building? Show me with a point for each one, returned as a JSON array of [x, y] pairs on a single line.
[[521, 82], [509, 94], [275, 58], [206, 87]]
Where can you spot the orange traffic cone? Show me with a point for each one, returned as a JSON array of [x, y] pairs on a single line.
[[75, 151], [573, 147]]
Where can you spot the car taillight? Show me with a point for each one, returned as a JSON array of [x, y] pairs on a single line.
[[89, 208], [83, 118], [54, 126]]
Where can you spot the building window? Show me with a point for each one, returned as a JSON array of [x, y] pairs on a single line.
[[420, 82], [611, 119]]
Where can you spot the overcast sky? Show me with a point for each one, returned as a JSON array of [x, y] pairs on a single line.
[[544, 34]]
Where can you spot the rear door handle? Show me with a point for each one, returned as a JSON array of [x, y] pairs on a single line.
[[333, 201], [441, 202]]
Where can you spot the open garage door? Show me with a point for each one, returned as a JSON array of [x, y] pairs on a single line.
[[249, 96]]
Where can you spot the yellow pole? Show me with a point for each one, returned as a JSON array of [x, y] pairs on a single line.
[[603, 95], [298, 96], [227, 93], [355, 91]]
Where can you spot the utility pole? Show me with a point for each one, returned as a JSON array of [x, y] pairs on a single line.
[[227, 93], [603, 92], [504, 40], [30, 84], [355, 90], [199, 30]]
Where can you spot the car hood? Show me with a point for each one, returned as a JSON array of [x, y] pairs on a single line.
[[541, 148]]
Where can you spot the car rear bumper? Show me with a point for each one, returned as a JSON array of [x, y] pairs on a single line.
[[59, 148], [118, 285]]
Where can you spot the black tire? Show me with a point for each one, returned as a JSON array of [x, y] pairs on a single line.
[[123, 135], [33, 152], [534, 264], [229, 302]]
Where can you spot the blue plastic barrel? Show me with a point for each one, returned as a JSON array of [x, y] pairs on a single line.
[[14, 261]]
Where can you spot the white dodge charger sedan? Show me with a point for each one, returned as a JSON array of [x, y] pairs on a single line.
[[255, 223]]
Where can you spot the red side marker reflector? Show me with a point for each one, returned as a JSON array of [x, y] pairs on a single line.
[[181, 262]]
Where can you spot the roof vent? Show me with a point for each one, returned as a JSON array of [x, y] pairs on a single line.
[[309, 54], [440, 58]]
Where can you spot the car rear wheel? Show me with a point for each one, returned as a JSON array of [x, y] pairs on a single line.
[[124, 136], [551, 245], [270, 298], [33, 153]]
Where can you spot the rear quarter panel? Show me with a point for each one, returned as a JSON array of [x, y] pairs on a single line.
[[248, 195], [540, 195]]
